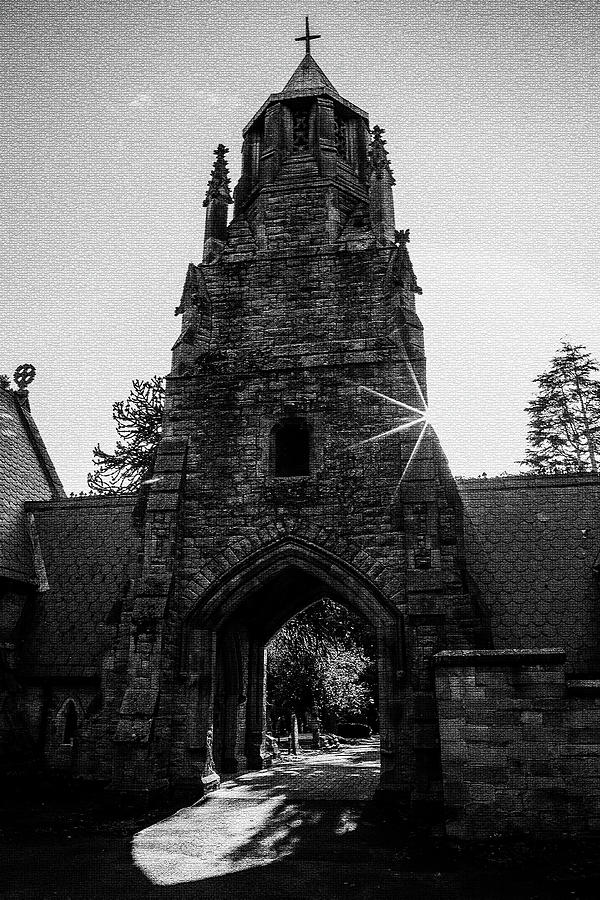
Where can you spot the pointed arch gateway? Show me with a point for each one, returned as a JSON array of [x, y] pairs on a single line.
[[224, 651]]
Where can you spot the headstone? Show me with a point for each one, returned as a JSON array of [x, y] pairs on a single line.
[[294, 739]]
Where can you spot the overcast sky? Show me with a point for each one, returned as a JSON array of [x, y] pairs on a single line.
[[110, 115]]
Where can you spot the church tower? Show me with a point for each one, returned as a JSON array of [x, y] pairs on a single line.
[[297, 461]]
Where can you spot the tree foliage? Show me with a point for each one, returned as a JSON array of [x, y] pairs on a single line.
[[564, 417], [138, 422], [323, 660]]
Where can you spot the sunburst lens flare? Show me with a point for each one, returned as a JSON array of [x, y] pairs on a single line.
[[413, 409], [415, 450], [431, 415], [400, 344], [380, 437]]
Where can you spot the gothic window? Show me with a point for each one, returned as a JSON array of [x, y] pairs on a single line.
[[300, 129], [290, 448], [447, 524], [69, 723], [341, 135]]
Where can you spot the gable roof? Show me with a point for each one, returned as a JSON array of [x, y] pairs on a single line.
[[26, 473], [89, 547]]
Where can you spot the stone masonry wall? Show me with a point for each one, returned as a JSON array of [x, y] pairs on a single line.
[[306, 316], [296, 332], [520, 744]]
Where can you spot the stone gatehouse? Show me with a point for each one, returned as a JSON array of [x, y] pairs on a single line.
[[297, 462]]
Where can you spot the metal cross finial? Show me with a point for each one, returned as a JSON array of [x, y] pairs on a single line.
[[307, 37]]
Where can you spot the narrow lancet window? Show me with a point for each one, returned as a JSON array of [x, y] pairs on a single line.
[[341, 136], [300, 126], [70, 723], [291, 448]]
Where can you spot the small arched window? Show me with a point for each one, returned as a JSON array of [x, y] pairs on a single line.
[[341, 135], [290, 448], [69, 723]]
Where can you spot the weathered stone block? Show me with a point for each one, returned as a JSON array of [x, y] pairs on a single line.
[[484, 793]]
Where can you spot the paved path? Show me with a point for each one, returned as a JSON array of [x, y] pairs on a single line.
[[293, 832], [262, 817]]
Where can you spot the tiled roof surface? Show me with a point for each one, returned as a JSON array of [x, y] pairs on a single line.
[[308, 76], [25, 474], [531, 546], [89, 548]]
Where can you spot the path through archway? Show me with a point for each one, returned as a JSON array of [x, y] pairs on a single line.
[[322, 677], [244, 614]]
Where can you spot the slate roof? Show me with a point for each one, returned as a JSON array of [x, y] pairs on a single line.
[[532, 544], [89, 548], [308, 77], [26, 473]]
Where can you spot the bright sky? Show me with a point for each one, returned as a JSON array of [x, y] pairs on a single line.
[[111, 112]]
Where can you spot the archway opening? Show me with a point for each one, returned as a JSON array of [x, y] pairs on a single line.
[[348, 650]]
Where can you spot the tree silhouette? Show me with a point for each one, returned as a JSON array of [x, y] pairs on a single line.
[[564, 418], [138, 421]]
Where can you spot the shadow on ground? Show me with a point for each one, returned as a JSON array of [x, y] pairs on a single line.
[[303, 829]]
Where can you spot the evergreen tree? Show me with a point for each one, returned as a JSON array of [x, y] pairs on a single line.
[[138, 421], [564, 418]]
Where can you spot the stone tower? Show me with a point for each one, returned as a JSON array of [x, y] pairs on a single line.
[[296, 463]]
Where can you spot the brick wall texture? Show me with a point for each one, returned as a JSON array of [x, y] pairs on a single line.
[[520, 745]]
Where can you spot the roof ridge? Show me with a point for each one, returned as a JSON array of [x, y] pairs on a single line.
[[21, 403]]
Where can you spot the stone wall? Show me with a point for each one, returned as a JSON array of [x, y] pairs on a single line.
[[75, 752], [520, 744]]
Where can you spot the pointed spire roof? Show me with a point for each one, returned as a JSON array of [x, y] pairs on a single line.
[[308, 79], [378, 155], [218, 186]]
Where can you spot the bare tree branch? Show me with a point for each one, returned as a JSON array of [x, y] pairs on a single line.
[[138, 422]]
